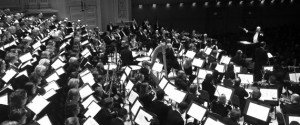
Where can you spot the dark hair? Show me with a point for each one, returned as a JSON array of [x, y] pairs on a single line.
[[193, 89], [17, 97], [160, 94], [182, 105], [17, 114], [28, 87], [237, 81], [122, 112], [72, 121], [71, 109]]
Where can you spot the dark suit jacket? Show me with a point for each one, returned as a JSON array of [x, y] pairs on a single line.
[[261, 57], [116, 121], [220, 108], [103, 117], [241, 93], [229, 121], [161, 110], [207, 86], [291, 108], [174, 118], [126, 57]]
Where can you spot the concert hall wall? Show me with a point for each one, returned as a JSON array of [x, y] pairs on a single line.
[[216, 20]]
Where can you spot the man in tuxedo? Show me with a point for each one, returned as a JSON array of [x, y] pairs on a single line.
[[261, 59], [174, 116], [257, 34], [159, 108], [126, 56], [240, 92]]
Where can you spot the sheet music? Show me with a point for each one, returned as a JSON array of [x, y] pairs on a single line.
[[149, 53], [49, 94], [4, 99], [202, 73], [51, 85], [136, 107], [88, 78], [90, 121], [270, 55], [207, 51], [63, 46], [174, 94], [85, 91], [28, 63], [52, 77], [294, 118], [44, 120], [84, 42], [58, 63], [220, 68], [157, 67], [60, 71], [84, 72], [129, 86], [223, 90], [22, 73], [190, 54], [9, 74], [143, 118], [132, 97], [93, 109], [37, 104], [36, 45], [237, 69], [294, 77], [127, 70], [210, 121], [198, 62], [270, 68], [269, 94], [246, 78], [25, 57], [196, 111], [88, 101], [225, 60], [258, 111], [123, 79], [162, 84]]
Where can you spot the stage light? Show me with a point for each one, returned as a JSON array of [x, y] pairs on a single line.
[[262, 2], [140, 6], [282, 1], [252, 2], [218, 4], [154, 6], [292, 1], [241, 3], [273, 1], [194, 4], [181, 4], [168, 5], [206, 4], [229, 3]]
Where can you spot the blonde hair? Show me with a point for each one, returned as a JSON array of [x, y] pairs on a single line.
[[44, 62], [73, 83], [39, 69]]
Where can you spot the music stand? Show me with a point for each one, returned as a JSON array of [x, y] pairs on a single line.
[[227, 91], [256, 113], [196, 111], [163, 82], [292, 117], [143, 117]]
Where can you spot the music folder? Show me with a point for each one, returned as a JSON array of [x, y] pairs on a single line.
[[202, 73], [88, 101], [85, 91], [90, 121], [36, 45], [256, 111], [37, 104], [220, 68], [294, 77], [92, 109], [174, 94], [135, 107], [9, 74], [227, 91], [26, 57], [84, 72], [246, 78], [143, 117], [292, 117], [22, 73], [270, 55], [84, 42], [132, 97], [4, 99], [44, 120], [163, 82], [198, 62], [196, 111], [129, 86], [88, 78]]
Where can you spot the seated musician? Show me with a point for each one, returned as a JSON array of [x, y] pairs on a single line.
[[292, 107], [220, 107], [238, 59], [181, 82], [126, 56], [233, 119], [170, 57]]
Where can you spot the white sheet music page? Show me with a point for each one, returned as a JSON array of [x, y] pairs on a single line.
[[127, 70], [294, 118], [129, 86], [36, 45], [196, 111], [51, 85], [246, 78], [270, 55], [136, 107], [85, 91], [4, 99], [190, 54], [93, 109], [26, 57], [22, 73], [269, 94], [123, 79], [258, 111], [225, 60], [52, 77], [202, 73], [28, 63], [198, 62], [90, 121], [270, 68], [174, 94], [237, 69], [88, 78], [223, 90], [132, 97], [9, 74], [207, 51], [60, 71], [157, 67], [163, 82], [143, 118], [37, 104], [294, 77], [49, 94], [84, 72], [86, 102], [220, 68], [44, 120], [58, 63]]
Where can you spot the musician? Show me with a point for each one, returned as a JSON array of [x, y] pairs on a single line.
[[126, 56], [257, 34], [240, 92], [220, 107], [174, 116], [159, 108], [261, 59], [233, 118], [105, 115], [121, 117], [181, 82], [238, 59], [170, 57], [293, 107], [208, 85]]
